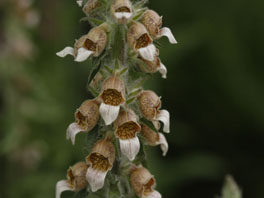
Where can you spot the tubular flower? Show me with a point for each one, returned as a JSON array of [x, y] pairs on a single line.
[[122, 10], [140, 41], [153, 139], [153, 22], [126, 129], [86, 118], [90, 6], [112, 96], [91, 44], [149, 105], [76, 179], [154, 66], [143, 183], [100, 161]]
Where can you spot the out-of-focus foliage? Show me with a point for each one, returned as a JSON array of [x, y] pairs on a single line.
[[231, 189], [214, 93]]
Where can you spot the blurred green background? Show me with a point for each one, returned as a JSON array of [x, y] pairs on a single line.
[[214, 93]]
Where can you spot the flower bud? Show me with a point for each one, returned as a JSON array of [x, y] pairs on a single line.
[[149, 105], [121, 10], [153, 22], [86, 118], [126, 129], [112, 96], [76, 179], [100, 161], [91, 44], [140, 41], [143, 183], [90, 6], [153, 139]]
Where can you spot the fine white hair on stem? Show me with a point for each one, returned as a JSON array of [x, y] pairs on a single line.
[[66, 51], [109, 113], [72, 131], [164, 117], [61, 186], [95, 178], [130, 147], [148, 53], [167, 32]]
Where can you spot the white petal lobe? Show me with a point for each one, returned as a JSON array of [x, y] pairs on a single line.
[[148, 53], [95, 178], [167, 32], [62, 186], [153, 194], [164, 117], [66, 51], [163, 144], [83, 54], [163, 70], [121, 15], [72, 131], [130, 147], [109, 113], [79, 2]]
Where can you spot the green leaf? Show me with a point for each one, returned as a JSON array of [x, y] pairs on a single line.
[[148, 124]]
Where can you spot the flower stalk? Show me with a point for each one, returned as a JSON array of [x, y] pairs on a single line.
[[123, 116]]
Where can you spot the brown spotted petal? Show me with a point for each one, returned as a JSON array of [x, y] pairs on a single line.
[[140, 40], [112, 96], [126, 129], [86, 118], [149, 105], [153, 22], [143, 183], [153, 139], [122, 10], [91, 44], [100, 161], [76, 179]]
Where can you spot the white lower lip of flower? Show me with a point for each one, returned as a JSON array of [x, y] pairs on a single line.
[[153, 194], [66, 51], [72, 131], [130, 147], [163, 144], [83, 54], [164, 117], [148, 53], [95, 178], [163, 70], [61, 186], [109, 113], [167, 32], [79, 2], [120, 15]]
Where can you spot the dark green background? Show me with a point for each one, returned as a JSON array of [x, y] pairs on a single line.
[[214, 93]]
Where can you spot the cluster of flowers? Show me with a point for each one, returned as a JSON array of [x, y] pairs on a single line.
[[111, 103]]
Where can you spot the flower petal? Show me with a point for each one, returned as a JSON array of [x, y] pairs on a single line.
[[167, 32], [83, 54], [61, 186], [95, 178], [130, 147], [163, 144], [153, 194], [163, 70], [120, 15], [72, 131], [164, 117], [109, 113], [66, 51], [148, 53], [79, 2]]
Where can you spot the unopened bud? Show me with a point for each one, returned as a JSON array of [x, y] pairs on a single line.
[[90, 6], [122, 10]]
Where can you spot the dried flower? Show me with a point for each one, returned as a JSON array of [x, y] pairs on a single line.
[[76, 179], [143, 183], [122, 10], [153, 139], [90, 6], [153, 22], [149, 104], [140, 41], [86, 118], [126, 129], [91, 44], [100, 161], [112, 96]]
